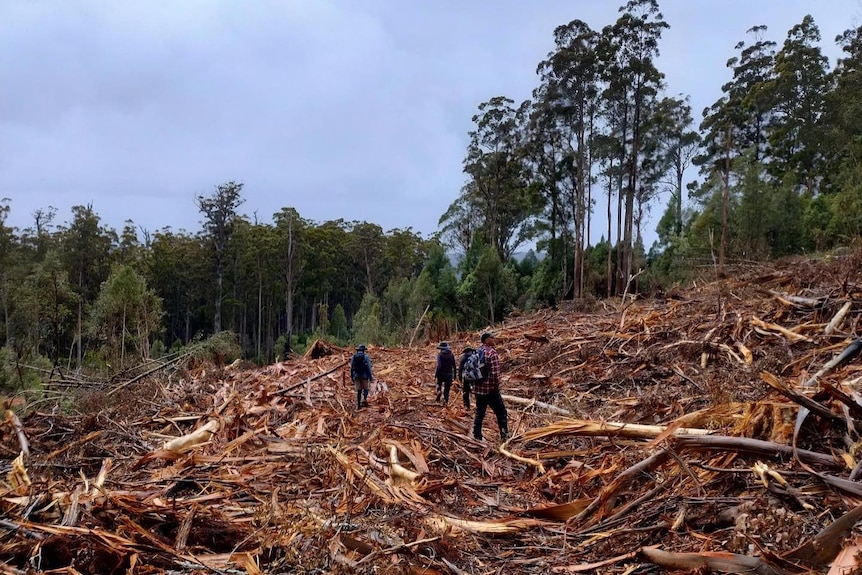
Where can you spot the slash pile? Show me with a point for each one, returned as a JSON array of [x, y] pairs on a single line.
[[712, 428]]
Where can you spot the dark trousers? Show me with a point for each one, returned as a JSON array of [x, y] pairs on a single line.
[[495, 401], [465, 389], [446, 385]]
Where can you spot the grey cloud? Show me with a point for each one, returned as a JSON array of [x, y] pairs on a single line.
[[355, 110]]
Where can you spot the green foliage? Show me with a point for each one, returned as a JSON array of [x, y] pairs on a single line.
[[125, 316], [338, 324], [219, 211], [322, 318], [783, 140], [756, 216], [222, 348], [367, 323], [498, 201], [42, 320], [158, 349], [545, 284], [18, 373]]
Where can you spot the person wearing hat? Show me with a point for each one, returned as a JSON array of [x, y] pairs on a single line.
[[361, 375], [445, 371], [487, 391], [465, 385]]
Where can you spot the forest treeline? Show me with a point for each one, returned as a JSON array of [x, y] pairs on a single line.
[[771, 169]]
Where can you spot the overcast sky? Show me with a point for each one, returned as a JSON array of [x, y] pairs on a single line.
[[354, 109]]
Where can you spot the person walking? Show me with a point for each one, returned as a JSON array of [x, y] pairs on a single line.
[[487, 390], [465, 384], [445, 372], [361, 375]]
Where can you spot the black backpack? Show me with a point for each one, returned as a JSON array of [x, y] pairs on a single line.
[[359, 366]]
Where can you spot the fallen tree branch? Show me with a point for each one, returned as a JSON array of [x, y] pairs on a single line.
[[587, 428], [395, 549], [710, 561], [803, 400], [835, 322], [534, 462], [777, 329], [290, 388], [194, 439], [19, 431], [824, 546], [754, 446], [535, 403], [624, 479]]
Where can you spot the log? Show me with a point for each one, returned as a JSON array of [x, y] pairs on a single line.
[[399, 471], [535, 403], [754, 446], [850, 352], [799, 398], [191, 440], [824, 547], [837, 319], [587, 428], [710, 561], [774, 328], [19, 431], [797, 301]]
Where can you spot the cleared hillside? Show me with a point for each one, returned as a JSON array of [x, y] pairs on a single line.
[[666, 431]]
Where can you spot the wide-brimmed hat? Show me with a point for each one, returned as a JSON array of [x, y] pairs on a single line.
[[443, 345]]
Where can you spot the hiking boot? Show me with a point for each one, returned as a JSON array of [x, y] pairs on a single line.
[[437, 399], [479, 438], [504, 435]]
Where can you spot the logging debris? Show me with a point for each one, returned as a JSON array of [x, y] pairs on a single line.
[[717, 430]]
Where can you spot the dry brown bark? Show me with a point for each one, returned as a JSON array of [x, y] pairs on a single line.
[[670, 431]]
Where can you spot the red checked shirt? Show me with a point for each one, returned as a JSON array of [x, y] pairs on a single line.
[[492, 382]]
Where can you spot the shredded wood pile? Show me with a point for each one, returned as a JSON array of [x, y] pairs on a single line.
[[713, 428]]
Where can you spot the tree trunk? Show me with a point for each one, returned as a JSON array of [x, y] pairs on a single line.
[[78, 334], [123, 340], [490, 294], [725, 202], [677, 225], [588, 204], [628, 242], [368, 270], [259, 311], [6, 316], [219, 281], [619, 244], [580, 208], [289, 273], [610, 267]]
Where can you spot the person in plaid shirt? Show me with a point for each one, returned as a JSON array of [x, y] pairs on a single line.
[[487, 391]]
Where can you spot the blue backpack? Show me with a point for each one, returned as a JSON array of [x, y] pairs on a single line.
[[474, 367]]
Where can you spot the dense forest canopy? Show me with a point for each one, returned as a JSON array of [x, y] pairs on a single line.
[[771, 168]]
